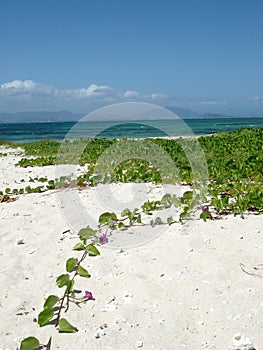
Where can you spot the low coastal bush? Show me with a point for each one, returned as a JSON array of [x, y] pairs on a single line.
[[235, 155], [42, 148], [234, 163], [42, 161]]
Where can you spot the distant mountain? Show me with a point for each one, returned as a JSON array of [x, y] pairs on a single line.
[[183, 112], [189, 113], [66, 116], [43, 116]]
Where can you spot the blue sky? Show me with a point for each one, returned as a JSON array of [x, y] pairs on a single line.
[[79, 55]]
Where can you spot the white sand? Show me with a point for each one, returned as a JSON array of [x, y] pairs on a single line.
[[184, 289]]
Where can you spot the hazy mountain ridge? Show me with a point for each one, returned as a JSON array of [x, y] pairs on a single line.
[[66, 116]]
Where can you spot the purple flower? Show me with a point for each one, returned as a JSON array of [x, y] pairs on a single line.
[[88, 295], [205, 208], [103, 239]]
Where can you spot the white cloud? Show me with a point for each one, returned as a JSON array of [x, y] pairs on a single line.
[[130, 94], [20, 95], [24, 87], [91, 91], [28, 95], [18, 87]]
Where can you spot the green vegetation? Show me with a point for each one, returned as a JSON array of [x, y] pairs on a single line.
[[41, 148], [233, 160], [42, 161], [55, 306], [234, 182], [8, 143]]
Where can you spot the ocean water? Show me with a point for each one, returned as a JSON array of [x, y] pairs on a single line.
[[26, 132]]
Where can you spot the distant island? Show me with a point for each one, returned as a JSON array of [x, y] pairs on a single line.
[[66, 116]]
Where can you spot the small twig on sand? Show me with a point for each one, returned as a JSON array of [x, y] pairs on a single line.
[[252, 273]]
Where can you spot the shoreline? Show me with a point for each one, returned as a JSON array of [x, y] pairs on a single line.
[[7, 143], [197, 127]]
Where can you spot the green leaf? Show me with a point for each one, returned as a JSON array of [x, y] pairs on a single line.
[[45, 316], [51, 301], [158, 221], [139, 219], [79, 246], [176, 201], [185, 214], [167, 200], [107, 219], [66, 327], [170, 220], [205, 215], [71, 264], [70, 285], [83, 272], [86, 233], [92, 250], [126, 212], [187, 196], [120, 225], [30, 343], [62, 280]]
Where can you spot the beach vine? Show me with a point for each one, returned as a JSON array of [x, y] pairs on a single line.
[[234, 162], [54, 306], [89, 238]]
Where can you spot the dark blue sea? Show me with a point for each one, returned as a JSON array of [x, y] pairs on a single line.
[[26, 132]]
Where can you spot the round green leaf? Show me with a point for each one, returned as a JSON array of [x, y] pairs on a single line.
[[44, 317], [107, 219], [62, 280], [205, 215], [86, 233], [29, 343], [120, 225], [71, 264]]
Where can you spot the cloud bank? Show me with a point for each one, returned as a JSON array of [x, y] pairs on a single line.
[[28, 95], [24, 95]]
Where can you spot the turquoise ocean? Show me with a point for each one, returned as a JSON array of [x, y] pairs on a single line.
[[27, 132]]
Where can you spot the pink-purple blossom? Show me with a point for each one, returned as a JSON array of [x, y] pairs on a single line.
[[103, 239], [88, 295], [205, 208]]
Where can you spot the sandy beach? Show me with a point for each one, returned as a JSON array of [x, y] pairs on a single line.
[[191, 286]]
